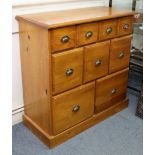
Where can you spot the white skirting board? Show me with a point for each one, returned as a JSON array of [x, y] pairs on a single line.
[[17, 114]]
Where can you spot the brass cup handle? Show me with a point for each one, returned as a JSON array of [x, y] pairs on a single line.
[[114, 90], [109, 30], [65, 39], [76, 108], [121, 55], [126, 26], [98, 62], [89, 34], [69, 72]]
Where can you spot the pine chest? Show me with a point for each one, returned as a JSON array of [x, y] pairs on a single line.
[[74, 69]]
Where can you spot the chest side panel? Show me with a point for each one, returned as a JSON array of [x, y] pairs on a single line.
[[35, 62]]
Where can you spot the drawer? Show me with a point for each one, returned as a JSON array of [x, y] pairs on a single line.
[[107, 29], [87, 33], [72, 107], [110, 90], [96, 60], [125, 25], [119, 53], [63, 38], [67, 70]]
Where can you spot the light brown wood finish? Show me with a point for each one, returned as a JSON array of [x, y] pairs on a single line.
[[72, 107], [53, 141], [35, 60], [67, 62], [75, 16], [39, 132], [50, 78], [63, 38], [111, 89], [108, 29], [119, 53], [96, 60], [87, 33], [125, 25]]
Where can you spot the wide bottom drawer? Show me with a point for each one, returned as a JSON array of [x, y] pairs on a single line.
[[72, 107], [110, 90]]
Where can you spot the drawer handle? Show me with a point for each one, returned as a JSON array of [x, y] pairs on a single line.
[[89, 34], [126, 26], [114, 90], [65, 39], [109, 30], [121, 55], [76, 108], [69, 72], [98, 62]]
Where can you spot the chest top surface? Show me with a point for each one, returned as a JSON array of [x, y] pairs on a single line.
[[75, 16]]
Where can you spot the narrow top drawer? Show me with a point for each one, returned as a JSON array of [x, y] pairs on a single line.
[[63, 38], [125, 25], [87, 33], [108, 29]]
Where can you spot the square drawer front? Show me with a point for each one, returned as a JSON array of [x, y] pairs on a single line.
[[125, 25], [110, 90], [63, 38], [96, 60], [72, 107], [107, 29], [87, 33], [119, 53], [67, 70]]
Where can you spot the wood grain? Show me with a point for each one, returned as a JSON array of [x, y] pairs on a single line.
[[104, 26], [53, 79], [35, 60], [122, 22], [57, 34], [75, 16], [63, 61], [62, 106], [39, 132], [53, 141], [119, 46], [83, 29], [92, 54], [105, 86]]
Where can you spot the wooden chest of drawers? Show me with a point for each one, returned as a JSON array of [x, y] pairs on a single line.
[[74, 69]]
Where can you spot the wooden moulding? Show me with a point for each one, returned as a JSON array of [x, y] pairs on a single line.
[[74, 16], [52, 141]]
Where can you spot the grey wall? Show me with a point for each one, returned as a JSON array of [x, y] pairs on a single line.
[[127, 4]]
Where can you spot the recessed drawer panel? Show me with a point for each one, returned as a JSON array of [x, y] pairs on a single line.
[[125, 25], [110, 90], [119, 53], [72, 107], [63, 38], [87, 33], [67, 70], [107, 29], [96, 60]]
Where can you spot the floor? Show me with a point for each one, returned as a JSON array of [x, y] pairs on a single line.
[[121, 134]]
